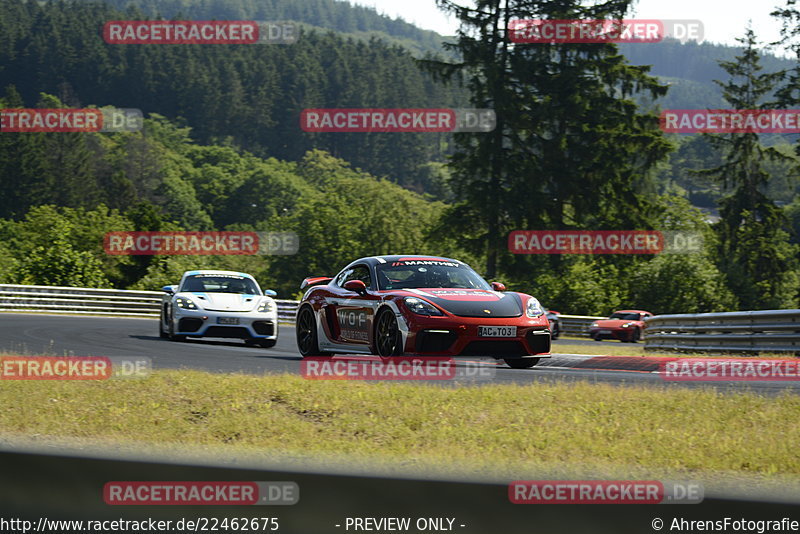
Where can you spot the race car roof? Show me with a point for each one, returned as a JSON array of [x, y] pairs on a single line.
[[377, 260], [208, 272]]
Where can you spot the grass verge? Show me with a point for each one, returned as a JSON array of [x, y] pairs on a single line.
[[504, 430], [616, 348]]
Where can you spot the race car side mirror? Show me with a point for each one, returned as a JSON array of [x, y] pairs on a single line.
[[497, 286], [357, 286], [270, 293], [169, 289]]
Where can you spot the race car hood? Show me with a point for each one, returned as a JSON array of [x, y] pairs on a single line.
[[614, 323], [472, 302], [226, 302]]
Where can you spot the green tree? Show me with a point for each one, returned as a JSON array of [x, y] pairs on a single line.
[[755, 253], [570, 149]]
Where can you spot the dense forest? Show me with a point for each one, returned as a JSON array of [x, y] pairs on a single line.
[[247, 96], [222, 150]]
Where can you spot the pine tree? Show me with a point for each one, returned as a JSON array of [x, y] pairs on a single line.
[[570, 148], [755, 252]]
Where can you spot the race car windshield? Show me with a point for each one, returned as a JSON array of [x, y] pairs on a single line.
[[625, 316], [220, 284], [413, 275]]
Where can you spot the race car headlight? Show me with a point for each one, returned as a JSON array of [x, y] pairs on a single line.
[[266, 306], [534, 309], [185, 303], [626, 325], [593, 325], [421, 307]]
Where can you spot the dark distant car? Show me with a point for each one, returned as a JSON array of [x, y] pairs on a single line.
[[624, 325], [419, 305], [555, 323]]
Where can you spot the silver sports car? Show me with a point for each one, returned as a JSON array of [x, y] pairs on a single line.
[[224, 304]]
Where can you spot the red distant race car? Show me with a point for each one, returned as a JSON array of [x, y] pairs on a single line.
[[419, 305], [624, 325]]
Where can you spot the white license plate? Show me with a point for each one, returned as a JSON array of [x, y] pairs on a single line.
[[497, 331], [604, 331], [227, 320]]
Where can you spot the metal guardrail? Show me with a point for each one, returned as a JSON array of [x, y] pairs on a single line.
[[113, 302], [577, 325], [125, 302], [743, 331]]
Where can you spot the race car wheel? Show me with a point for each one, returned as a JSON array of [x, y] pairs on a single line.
[[306, 329], [387, 335], [636, 335], [171, 333], [522, 363], [161, 332], [555, 332]]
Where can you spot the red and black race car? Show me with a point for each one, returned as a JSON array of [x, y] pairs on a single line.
[[419, 305], [624, 325]]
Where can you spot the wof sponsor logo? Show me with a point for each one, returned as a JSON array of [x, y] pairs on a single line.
[[199, 32], [62, 120], [585, 31], [200, 243], [353, 324], [734, 369], [381, 120], [395, 368], [604, 242], [200, 493], [730, 120], [604, 492], [72, 367]]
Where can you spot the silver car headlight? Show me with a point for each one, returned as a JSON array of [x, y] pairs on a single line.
[[421, 307], [534, 309], [266, 306], [185, 303]]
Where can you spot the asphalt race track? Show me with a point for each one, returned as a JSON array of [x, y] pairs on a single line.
[[37, 334]]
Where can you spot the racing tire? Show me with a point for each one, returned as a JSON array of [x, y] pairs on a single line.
[[636, 335], [597, 338], [521, 363], [388, 341], [161, 332], [555, 332], [171, 335], [306, 333]]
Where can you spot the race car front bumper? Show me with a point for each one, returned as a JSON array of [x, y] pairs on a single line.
[[460, 336], [240, 325]]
